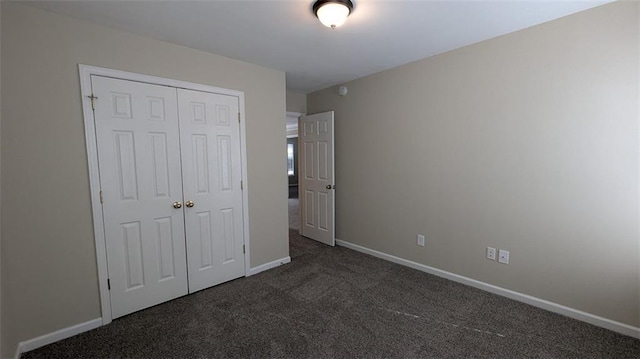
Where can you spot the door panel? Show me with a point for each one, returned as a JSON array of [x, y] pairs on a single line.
[[126, 164], [205, 239], [210, 136], [309, 205], [132, 239], [316, 144], [140, 175], [160, 165], [164, 235], [309, 160]]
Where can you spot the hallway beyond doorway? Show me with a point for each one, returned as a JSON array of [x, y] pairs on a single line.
[[294, 213]]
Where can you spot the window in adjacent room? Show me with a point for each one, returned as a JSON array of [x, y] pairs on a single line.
[[290, 162]]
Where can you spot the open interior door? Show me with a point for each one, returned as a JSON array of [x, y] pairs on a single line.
[[316, 179]]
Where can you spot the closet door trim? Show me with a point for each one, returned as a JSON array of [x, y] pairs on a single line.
[[94, 175]]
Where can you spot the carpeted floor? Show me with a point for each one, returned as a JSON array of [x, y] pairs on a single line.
[[294, 213], [337, 303]]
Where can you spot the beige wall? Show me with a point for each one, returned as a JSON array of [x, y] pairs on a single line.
[[527, 142], [47, 237], [296, 102]]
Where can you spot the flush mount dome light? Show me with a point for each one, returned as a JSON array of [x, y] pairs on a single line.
[[332, 13]]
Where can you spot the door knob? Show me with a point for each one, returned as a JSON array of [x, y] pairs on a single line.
[[329, 186], [189, 204], [177, 205]]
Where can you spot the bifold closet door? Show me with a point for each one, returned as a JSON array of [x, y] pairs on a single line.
[[211, 162], [141, 179]]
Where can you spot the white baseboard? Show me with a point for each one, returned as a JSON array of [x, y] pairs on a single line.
[[58, 335], [525, 298], [270, 265]]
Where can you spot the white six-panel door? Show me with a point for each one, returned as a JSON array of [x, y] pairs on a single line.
[[140, 174], [210, 136], [170, 171], [316, 178]]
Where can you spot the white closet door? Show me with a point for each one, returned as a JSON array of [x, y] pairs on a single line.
[[210, 138], [140, 175]]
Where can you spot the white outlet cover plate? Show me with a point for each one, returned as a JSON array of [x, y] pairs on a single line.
[[420, 240], [503, 256], [491, 253]]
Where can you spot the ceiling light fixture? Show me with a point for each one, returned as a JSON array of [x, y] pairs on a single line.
[[332, 13]]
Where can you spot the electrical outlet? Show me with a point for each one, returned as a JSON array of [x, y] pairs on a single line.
[[491, 253], [420, 240], [503, 256]]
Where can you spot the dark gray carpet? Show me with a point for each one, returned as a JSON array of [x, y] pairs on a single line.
[[293, 191], [294, 213], [337, 303]]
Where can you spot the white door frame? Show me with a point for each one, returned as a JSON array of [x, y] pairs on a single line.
[[94, 173]]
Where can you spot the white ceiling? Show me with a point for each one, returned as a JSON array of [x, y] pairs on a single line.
[[285, 35]]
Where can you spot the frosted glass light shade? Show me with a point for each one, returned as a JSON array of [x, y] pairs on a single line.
[[332, 13]]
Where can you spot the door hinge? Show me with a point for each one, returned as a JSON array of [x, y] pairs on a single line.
[[93, 103], [241, 186], [243, 249], [101, 198], [238, 117], [108, 283]]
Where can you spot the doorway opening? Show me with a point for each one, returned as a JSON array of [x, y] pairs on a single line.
[[292, 170]]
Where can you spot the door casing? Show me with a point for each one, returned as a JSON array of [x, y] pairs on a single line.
[[94, 175]]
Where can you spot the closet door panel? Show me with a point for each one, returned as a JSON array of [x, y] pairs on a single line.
[[210, 141], [141, 178]]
